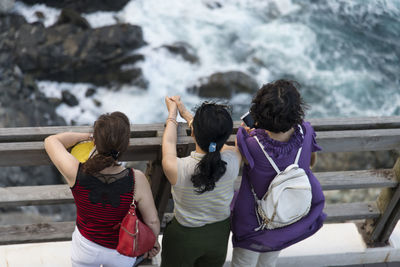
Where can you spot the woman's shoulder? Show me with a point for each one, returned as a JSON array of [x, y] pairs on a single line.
[[138, 177], [307, 127]]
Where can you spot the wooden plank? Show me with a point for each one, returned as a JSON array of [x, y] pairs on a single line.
[[35, 195], [352, 141], [382, 178], [359, 140], [24, 134], [351, 211], [352, 123], [32, 233], [56, 194], [355, 123], [33, 153], [390, 224], [357, 179], [59, 231], [389, 204], [28, 134]]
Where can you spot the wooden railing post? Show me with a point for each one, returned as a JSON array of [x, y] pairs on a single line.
[[379, 230], [160, 186]]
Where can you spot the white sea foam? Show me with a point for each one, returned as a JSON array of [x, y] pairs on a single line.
[[50, 14], [266, 39]]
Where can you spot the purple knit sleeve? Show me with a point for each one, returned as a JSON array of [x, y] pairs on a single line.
[[242, 135]]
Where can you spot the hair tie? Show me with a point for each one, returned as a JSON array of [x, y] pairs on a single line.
[[114, 154], [212, 147]]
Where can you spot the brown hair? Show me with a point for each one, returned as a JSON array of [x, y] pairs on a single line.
[[111, 134]]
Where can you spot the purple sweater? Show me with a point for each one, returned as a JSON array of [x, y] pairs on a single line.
[[261, 173]]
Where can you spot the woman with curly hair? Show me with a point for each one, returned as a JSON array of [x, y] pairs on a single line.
[[278, 113], [202, 186]]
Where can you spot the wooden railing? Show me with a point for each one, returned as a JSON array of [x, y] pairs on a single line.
[[24, 147]]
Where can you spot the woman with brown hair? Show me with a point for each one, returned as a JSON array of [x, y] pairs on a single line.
[[103, 191]]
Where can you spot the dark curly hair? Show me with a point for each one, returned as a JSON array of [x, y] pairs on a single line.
[[278, 106], [111, 134], [211, 123]]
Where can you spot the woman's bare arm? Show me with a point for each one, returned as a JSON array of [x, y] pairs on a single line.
[[313, 159], [56, 147], [169, 161], [147, 208]]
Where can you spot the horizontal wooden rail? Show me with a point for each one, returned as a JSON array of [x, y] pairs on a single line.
[[148, 148], [357, 179], [60, 231], [28, 134], [59, 194], [355, 123], [351, 211], [359, 140]]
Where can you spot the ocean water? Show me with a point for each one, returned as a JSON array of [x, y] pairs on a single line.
[[345, 54]]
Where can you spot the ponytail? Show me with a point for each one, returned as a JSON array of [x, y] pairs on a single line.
[[208, 171], [111, 136], [97, 163], [212, 126]]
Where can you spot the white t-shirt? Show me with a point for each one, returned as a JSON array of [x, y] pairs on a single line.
[[195, 210]]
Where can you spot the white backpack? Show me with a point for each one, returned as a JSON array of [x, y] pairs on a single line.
[[288, 198]]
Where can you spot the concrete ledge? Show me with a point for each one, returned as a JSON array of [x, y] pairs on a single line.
[[36, 254], [333, 245]]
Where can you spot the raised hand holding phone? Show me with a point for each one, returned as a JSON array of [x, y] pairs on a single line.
[[248, 122]]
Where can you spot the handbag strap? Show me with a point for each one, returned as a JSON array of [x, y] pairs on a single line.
[[271, 161], [134, 188]]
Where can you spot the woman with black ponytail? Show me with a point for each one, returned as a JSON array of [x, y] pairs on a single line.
[[202, 186]]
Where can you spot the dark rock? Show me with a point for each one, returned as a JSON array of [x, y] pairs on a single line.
[[225, 84], [10, 21], [90, 92], [69, 98], [97, 103], [23, 105], [83, 6], [187, 52], [6, 5], [71, 53], [69, 16], [214, 5], [40, 15], [54, 101]]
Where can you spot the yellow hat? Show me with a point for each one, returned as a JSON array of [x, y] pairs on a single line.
[[82, 150]]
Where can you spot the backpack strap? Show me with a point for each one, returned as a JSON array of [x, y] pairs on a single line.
[[268, 157], [296, 161]]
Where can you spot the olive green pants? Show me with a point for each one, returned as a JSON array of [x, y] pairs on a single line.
[[203, 246]]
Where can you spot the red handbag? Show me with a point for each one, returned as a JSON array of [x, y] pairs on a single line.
[[135, 237]]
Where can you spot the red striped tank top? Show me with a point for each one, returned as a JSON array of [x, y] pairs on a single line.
[[101, 206]]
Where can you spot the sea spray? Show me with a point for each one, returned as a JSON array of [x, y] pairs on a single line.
[[343, 53]]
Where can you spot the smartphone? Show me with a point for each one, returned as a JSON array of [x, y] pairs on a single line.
[[139, 260], [248, 119]]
